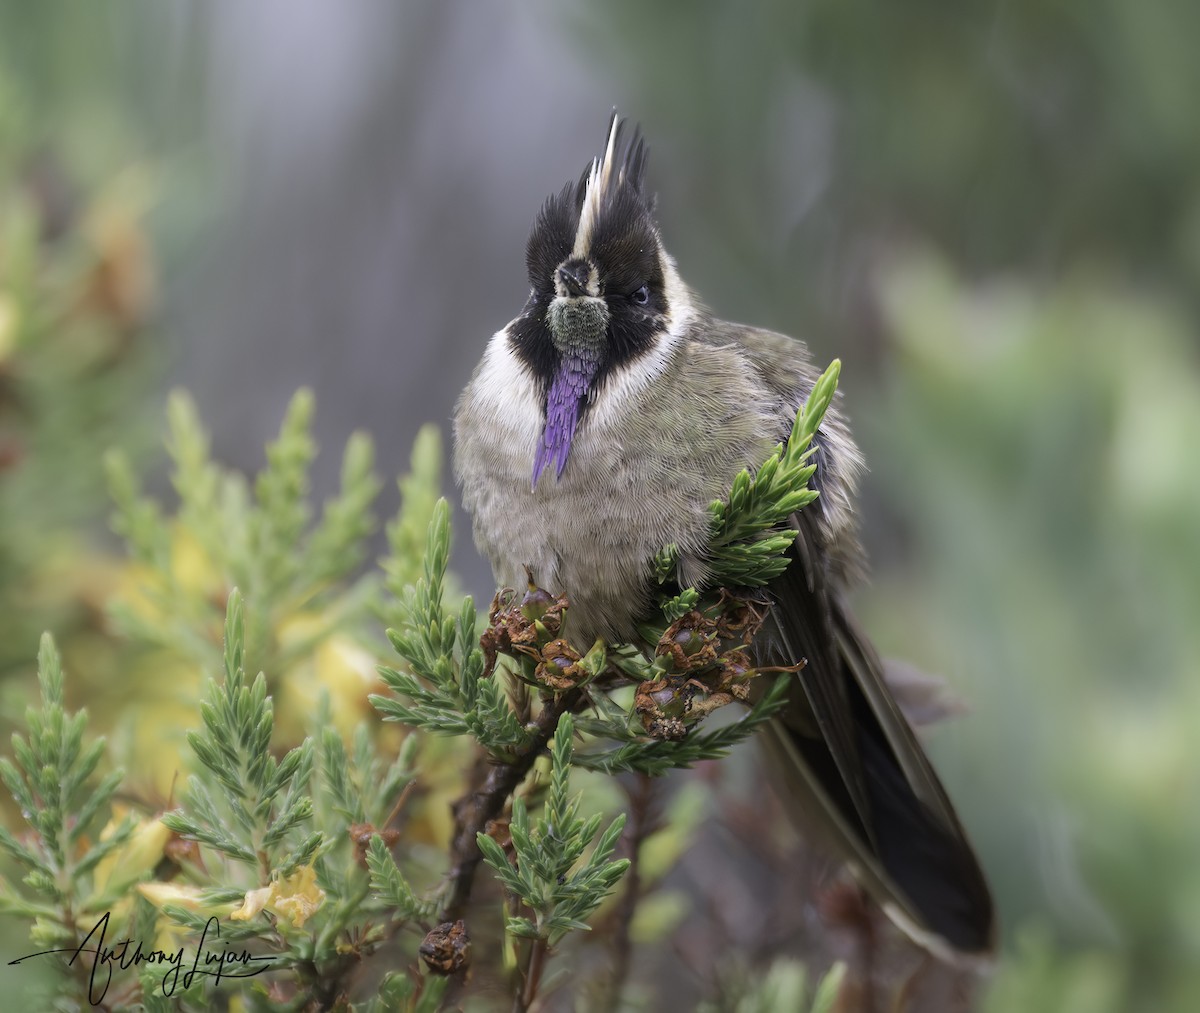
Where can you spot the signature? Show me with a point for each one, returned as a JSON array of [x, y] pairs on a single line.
[[126, 953]]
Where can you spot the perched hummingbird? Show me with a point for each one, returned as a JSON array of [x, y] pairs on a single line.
[[600, 425]]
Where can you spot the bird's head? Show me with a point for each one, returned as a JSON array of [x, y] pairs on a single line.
[[600, 288]]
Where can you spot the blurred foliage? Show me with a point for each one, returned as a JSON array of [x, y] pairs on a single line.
[[1017, 131], [1082, 744], [308, 607], [784, 986], [81, 273], [286, 791], [1023, 135], [76, 291]]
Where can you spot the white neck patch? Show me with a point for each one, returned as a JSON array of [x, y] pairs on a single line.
[[633, 377]]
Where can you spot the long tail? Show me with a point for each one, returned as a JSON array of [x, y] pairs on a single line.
[[853, 765]]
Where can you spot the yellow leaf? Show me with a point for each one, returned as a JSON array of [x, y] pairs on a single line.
[[253, 903], [179, 894], [296, 898], [135, 859], [331, 665]]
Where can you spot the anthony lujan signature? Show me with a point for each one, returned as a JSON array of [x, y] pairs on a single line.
[[126, 954]]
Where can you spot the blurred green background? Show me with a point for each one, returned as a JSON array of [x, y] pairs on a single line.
[[990, 212]]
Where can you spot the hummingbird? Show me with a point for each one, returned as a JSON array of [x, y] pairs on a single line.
[[598, 427]]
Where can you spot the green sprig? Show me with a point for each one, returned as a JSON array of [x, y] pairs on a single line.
[[443, 689], [52, 778], [389, 883], [258, 537], [552, 877], [261, 801], [749, 534], [636, 753]]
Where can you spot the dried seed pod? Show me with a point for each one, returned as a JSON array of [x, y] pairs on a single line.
[[446, 949]]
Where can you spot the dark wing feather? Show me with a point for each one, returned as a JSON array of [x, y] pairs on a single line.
[[857, 767]]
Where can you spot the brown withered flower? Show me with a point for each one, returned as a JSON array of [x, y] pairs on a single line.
[[495, 639], [667, 729], [690, 642], [361, 834], [521, 626], [662, 704], [178, 852], [446, 949], [559, 666], [740, 618], [498, 830], [701, 678]]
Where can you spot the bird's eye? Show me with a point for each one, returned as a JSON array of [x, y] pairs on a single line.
[[641, 296]]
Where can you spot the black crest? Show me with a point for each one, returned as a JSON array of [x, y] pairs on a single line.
[[608, 201], [605, 217]]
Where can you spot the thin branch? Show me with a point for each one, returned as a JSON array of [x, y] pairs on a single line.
[[474, 811], [523, 999], [641, 825]]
